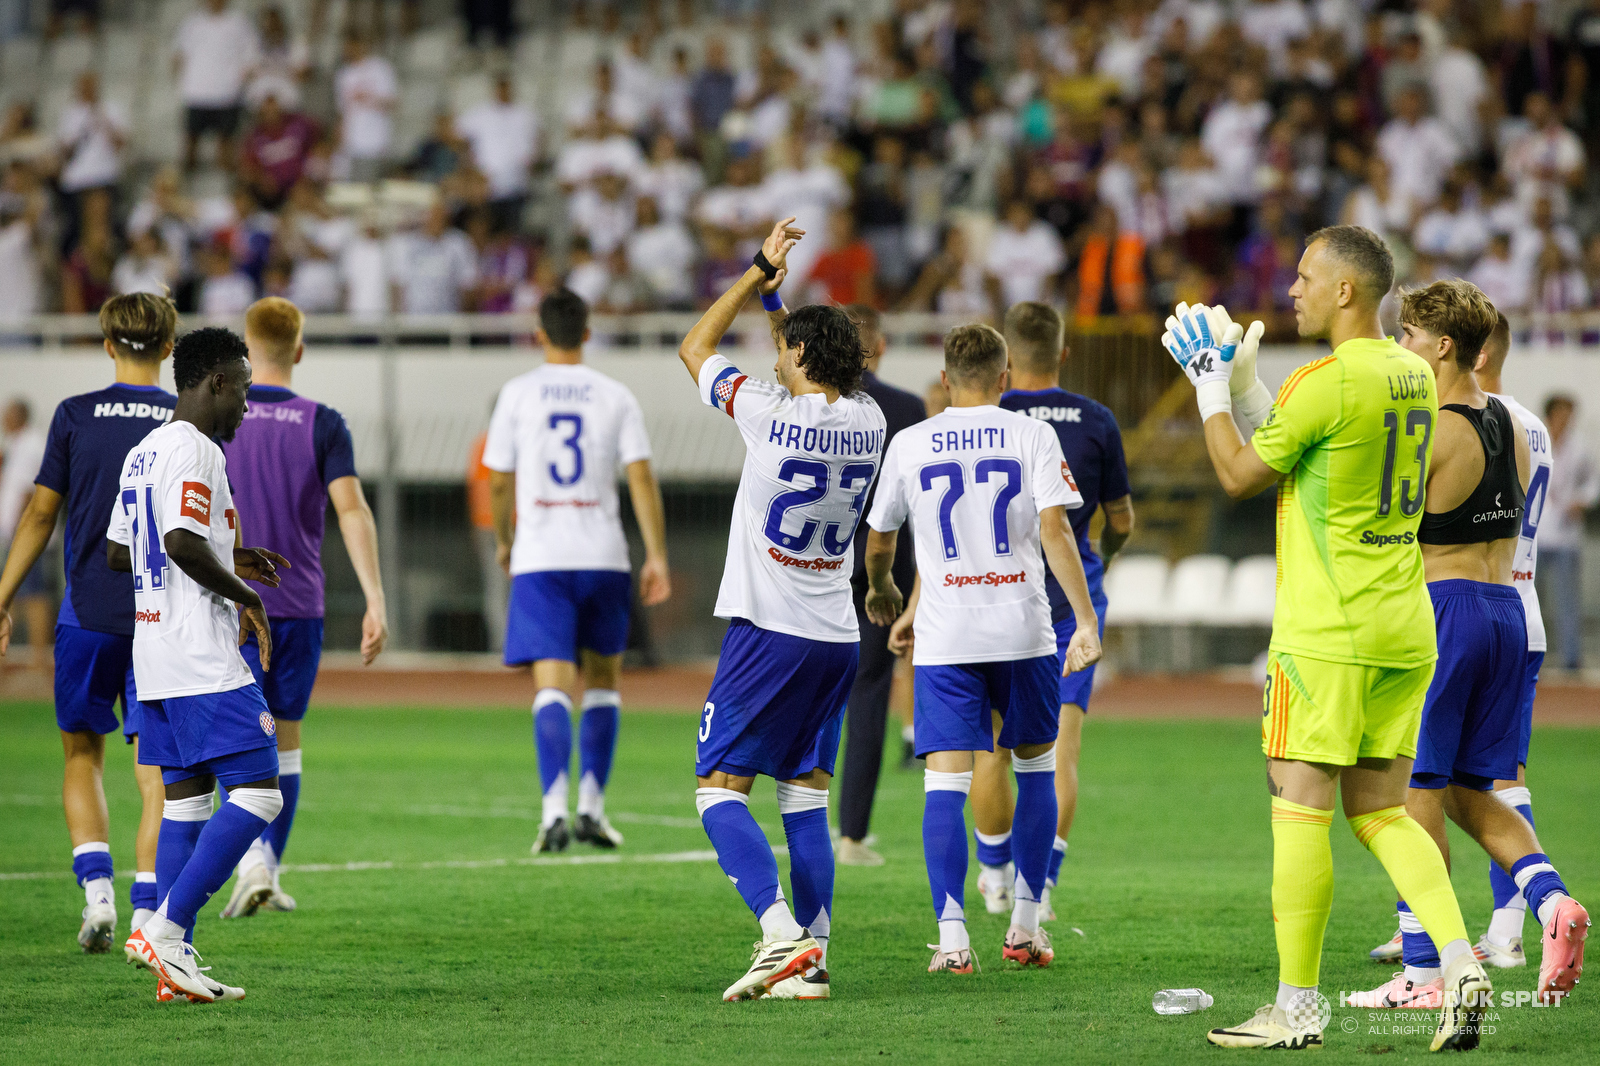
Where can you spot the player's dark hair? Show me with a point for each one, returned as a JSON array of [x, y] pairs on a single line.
[[202, 352], [1561, 400], [868, 323], [974, 353], [565, 317], [833, 356], [1456, 309], [1035, 335], [1498, 346], [1365, 252], [139, 325]]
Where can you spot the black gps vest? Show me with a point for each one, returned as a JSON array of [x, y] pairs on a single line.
[[1494, 510]]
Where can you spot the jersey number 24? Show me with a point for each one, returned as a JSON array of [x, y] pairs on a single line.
[[149, 561]]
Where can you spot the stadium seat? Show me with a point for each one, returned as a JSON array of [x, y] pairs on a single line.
[[1196, 590], [1252, 590], [1136, 590]]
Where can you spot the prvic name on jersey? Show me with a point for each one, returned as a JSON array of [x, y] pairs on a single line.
[[807, 468], [975, 506], [185, 637], [1526, 559]]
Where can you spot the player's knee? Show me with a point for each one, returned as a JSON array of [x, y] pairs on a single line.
[[796, 799], [264, 803], [1043, 761], [187, 809], [83, 745]]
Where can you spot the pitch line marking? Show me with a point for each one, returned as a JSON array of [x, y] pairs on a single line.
[[442, 864]]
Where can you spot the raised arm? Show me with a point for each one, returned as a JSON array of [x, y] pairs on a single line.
[[360, 532], [655, 583], [38, 521], [1061, 554], [700, 343]]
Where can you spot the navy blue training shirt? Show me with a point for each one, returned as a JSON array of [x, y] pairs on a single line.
[[90, 437], [1092, 446]]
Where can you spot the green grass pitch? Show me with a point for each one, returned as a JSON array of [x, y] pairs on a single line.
[[444, 942]]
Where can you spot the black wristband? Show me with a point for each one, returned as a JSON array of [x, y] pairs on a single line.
[[765, 267]]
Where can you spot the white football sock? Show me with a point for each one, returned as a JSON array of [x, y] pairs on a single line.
[[161, 930], [820, 928], [591, 797], [1421, 975], [1506, 925], [953, 936], [555, 801], [1287, 994], [255, 855], [1024, 912], [777, 923], [99, 891], [1453, 951]]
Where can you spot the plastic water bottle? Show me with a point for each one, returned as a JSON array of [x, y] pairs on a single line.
[[1180, 1001]]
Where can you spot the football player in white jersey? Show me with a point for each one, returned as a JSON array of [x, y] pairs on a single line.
[[986, 489], [174, 527], [813, 442], [558, 436]]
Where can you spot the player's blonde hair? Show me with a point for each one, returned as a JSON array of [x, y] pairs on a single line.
[[1456, 309], [273, 325], [972, 353], [139, 325], [1035, 335]]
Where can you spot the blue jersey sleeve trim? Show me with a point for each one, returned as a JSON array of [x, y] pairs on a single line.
[[336, 453]]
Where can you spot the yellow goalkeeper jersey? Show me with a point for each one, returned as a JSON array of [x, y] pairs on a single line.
[[1352, 433]]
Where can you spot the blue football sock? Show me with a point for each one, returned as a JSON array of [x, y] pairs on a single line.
[[223, 842], [90, 862], [277, 834], [1033, 825], [944, 843], [597, 744], [742, 848], [1505, 888], [182, 821], [993, 850], [552, 735], [143, 893], [805, 826], [1538, 881], [1417, 949], [1052, 872]]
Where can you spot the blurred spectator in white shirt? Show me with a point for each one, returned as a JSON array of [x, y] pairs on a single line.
[[1558, 283], [605, 100], [1453, 230], [283, 66], [1418, 149], [662, 251], [635, 79], [364, 271], [225, 290], [1273, 24], [670, 180], [92, 134], [809, 191], [1459, 83], [837, 74], [313, 238], [739, 205], [1127, 46], [1024, 259], [1232, 133], [215, 51], [432, 268], [1574, 488], [504, 138], [165, 209], [952, 282], [1377, 205], [586, 275], [366, 90], [1500, 277], [1200, 20], [1548, 160], [1195, 190], [672, 97], [145, 267], [602, 148], [603, 212], [19, 257]]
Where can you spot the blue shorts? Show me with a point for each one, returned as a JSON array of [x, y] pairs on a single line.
[[93, 671], [776, 704], [556, 612], [1472, 717], [1530, 685], [953, 704], [1077, 688], [190, 732], [296, 651]]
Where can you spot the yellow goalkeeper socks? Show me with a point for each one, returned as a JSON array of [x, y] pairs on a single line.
[[1417, 869], [1302, 888]]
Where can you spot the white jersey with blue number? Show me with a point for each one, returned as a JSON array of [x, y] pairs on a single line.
[[185, 637], [807, 467], [973, 481], [1527, 557], [566, 431]]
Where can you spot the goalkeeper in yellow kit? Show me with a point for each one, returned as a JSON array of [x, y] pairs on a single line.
[[1353, 646]]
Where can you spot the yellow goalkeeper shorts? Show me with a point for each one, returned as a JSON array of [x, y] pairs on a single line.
[[1319, 711]]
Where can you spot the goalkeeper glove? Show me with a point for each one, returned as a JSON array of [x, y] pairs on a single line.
[[1206, 362], [1250, 398]]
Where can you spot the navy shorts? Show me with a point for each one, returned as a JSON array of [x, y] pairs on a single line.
[[1077, 688], [1530, 685], [776, 704], [1472, 717], [93, 671], [191, 732], [953, 704], [556, 612], [296, 652]]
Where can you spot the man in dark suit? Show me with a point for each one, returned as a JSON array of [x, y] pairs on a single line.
[[869, 698]]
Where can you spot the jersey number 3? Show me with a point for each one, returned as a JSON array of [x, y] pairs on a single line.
[[149, 561]]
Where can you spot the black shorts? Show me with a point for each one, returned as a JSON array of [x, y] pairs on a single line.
[[223, 121]]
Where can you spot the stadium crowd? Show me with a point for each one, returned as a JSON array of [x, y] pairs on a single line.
[[952, 155]]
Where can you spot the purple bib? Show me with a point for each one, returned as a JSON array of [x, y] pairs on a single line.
[[281, 500]]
